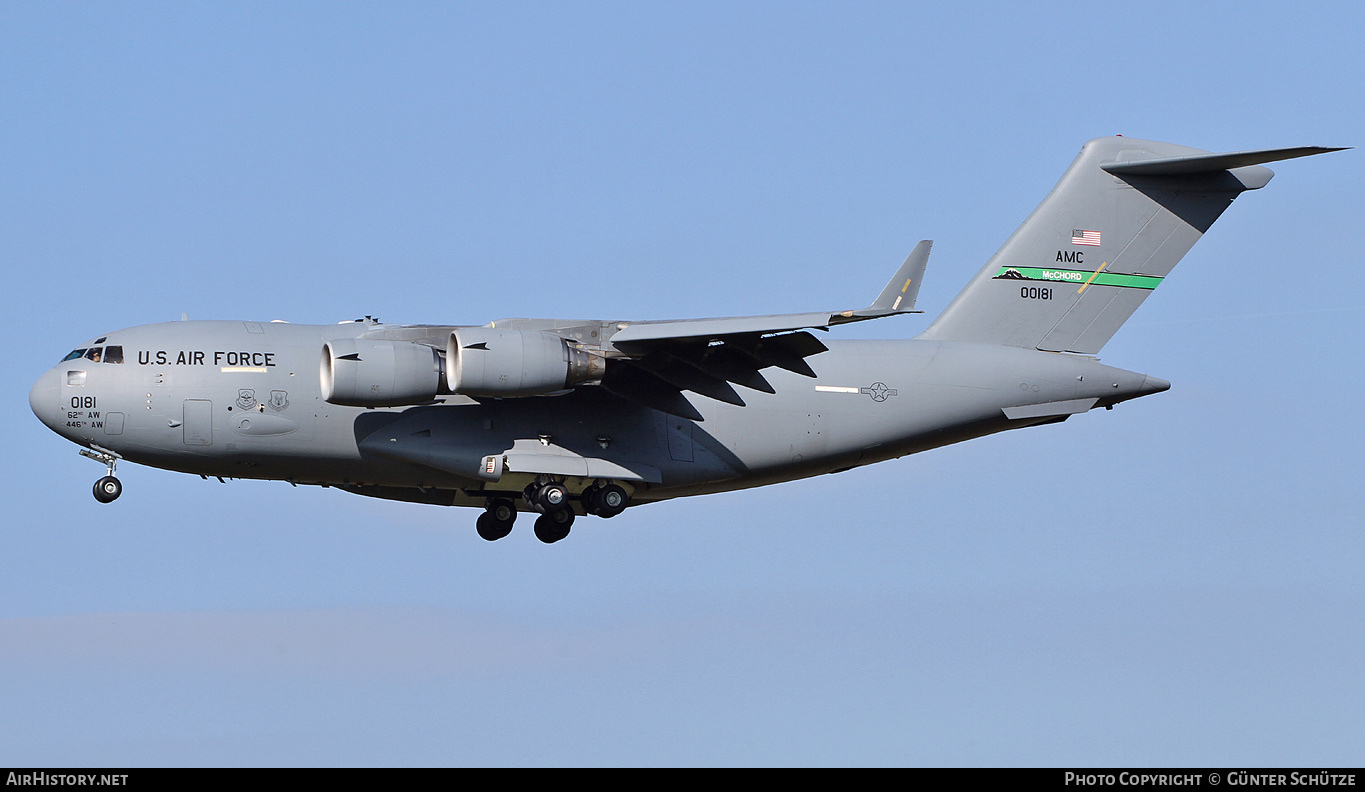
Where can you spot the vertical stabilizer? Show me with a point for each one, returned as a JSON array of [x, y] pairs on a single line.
[[1116, 224]]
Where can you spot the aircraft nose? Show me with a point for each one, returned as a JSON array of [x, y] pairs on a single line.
[[43, 397]]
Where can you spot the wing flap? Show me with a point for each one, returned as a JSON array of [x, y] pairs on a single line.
[[642, 387], [680, 373], [722, 362]]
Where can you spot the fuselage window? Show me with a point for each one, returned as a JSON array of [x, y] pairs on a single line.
[[75, 353], [113, 354], [95, 354]]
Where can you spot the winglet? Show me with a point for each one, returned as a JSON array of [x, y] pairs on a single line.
[[901, 291]]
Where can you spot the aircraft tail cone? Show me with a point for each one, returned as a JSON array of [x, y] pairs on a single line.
[[1152, 384]]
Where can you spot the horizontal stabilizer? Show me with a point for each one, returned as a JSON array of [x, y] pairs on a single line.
[[1207, 163]]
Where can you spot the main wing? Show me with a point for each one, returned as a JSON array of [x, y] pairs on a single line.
[[654, 362]]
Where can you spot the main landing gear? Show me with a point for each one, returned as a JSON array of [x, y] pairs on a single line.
[[497, 518], [553, 526], [607, 500], [108, 488], [552, 499]]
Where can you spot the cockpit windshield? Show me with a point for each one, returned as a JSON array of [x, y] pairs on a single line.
[[109, 354]]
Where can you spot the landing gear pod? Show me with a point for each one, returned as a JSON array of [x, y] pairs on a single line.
[[363, 373], [484, 361]]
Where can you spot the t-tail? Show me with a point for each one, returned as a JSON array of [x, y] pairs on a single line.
[[1116, 224]]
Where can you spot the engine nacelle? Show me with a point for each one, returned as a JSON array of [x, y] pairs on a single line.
[[485, 361], [360, 372]]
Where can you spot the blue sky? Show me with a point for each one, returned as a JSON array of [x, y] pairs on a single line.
[[1176, 582]]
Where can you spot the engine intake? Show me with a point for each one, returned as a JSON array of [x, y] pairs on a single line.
[[359, 372], [485, 361]]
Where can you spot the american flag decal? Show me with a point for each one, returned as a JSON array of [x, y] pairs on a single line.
[[1079, 237]]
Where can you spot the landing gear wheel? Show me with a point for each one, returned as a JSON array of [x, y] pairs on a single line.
[[605, 501], [496, 521], [553, 526], [108, 489], [490, 528], [502, 510], [547, 497]]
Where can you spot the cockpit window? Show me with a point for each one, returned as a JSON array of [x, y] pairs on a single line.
[[109, 354]]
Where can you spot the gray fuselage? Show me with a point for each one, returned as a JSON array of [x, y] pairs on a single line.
[[242, 400]]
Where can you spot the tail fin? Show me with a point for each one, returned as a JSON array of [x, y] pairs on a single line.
[[1118, 222]]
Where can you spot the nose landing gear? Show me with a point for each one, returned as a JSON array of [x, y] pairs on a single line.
[[108, 488]]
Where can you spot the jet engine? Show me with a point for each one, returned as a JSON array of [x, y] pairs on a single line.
[[360, 372], [484, 361]]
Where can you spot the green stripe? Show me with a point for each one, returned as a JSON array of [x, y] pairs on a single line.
[[1080, 277]]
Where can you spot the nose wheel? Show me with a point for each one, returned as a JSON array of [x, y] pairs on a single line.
[[108, 488]]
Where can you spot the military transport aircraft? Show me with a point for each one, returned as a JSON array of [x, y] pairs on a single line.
[[567, 418]]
